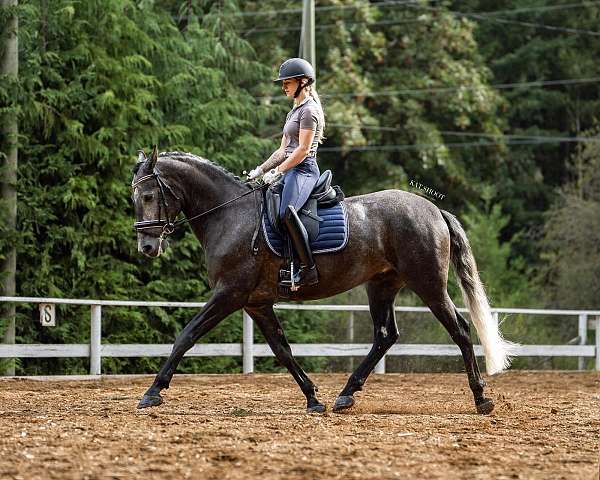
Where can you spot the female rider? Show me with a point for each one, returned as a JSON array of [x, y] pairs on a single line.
[[296, 159]]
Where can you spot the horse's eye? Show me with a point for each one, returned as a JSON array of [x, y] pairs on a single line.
[[148, 197]]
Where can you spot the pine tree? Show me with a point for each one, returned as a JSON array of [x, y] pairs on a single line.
[[101, 80], [9, 67]]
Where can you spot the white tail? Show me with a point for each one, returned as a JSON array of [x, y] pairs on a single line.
[[497, 350]]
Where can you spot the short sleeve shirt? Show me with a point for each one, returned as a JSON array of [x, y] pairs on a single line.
[[305, 116]]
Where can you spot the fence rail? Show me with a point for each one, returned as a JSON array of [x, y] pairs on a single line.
[[248, 350]]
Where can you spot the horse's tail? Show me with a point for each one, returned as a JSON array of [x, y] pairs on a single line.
[[496, 349]]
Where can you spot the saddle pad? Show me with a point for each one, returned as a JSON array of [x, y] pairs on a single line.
[[333, 231]]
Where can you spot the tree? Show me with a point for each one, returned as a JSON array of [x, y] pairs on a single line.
[[571, 243], [364, 51], [9, 68], [515, 52], [100, 81]]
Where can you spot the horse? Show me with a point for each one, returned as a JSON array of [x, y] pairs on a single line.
[[397, 239]]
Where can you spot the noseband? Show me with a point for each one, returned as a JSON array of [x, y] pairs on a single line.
[[168, 226]]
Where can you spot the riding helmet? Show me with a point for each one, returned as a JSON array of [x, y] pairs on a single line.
[[296, 67]]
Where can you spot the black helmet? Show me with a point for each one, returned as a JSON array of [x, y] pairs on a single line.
[[296, 67]]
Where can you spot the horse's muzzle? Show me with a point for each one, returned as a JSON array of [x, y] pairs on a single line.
[[152, 247]]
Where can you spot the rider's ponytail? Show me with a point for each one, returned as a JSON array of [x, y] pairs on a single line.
[[312, 91]]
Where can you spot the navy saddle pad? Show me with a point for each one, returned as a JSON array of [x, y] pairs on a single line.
[[332, 237]]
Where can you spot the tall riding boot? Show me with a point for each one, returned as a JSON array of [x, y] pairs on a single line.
[[307, 275]]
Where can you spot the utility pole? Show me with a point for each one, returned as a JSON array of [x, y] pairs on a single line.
[[307, 35], [9, 66]]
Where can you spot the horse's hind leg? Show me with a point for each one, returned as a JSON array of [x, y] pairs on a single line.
[[458, 328], [381, 292], [269, 325]]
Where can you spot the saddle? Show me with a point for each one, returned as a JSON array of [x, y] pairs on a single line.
[[324, 217], [323, 196]]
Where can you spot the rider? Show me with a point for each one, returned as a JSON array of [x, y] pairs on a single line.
[[296, 159]]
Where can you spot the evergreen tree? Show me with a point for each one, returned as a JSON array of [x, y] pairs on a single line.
[[101, 80], [9, 68], [517, 52], [571, 244]]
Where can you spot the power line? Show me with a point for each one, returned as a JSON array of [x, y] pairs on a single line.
[[516, 11], [479, 16], [476, 134], [327, 26], [413, 4], [390, 3], [418, 91], [422, 146], [510, 136]]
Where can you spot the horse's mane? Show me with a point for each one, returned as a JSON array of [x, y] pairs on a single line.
[[194, 160]]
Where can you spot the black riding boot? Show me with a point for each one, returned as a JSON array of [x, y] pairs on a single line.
[[307, 275]]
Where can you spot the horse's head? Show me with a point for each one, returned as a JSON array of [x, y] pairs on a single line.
[[156, 205]]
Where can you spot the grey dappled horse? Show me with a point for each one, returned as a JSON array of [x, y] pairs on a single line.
[[397, 239]]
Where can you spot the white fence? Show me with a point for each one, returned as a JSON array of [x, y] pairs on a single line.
[[95, 350]]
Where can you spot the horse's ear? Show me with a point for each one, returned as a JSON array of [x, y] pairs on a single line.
[[153, 157], [149, 163], [141, 156]]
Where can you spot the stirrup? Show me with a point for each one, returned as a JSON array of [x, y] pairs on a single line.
[[305, 277]]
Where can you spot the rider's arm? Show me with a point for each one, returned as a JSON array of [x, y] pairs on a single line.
[[301, 152], [276, 158]]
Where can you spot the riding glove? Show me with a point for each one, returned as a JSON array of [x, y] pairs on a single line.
[[257, 172], [272, 176]]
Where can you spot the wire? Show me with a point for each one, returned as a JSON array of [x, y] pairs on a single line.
[[566, 6], [327, 26], [476, 134], [390, 3], [479, 16], [417, 91], [413, 4], [422, 146], [387, 4]]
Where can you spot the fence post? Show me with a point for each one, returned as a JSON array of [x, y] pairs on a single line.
[[582, 332], [380, 367], [96, 340], [247, 344], [350, 338], [598, 343]]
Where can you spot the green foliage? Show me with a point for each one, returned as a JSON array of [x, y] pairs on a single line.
[[357, 54], [506, 279], [528, 181], [572, 236], [98, 81]]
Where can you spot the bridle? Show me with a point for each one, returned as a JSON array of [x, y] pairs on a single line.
[[169, 225]]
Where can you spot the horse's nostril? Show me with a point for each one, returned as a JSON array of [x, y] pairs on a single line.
[[146, 249]]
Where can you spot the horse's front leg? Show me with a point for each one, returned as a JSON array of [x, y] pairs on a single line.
[[221, 305], [271, 328]]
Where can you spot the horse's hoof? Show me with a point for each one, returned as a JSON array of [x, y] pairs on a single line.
[[317, 408], [150, 401], [486, 407], [343, 402]]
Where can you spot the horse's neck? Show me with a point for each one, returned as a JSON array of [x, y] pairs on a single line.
[[203, 185]]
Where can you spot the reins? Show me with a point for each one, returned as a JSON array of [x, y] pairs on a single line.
[[191, 219], [169, 226]]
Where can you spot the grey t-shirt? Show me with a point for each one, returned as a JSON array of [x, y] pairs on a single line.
[[305, 116]]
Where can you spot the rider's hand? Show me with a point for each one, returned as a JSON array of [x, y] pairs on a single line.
[[272, 176], [257, 172]]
